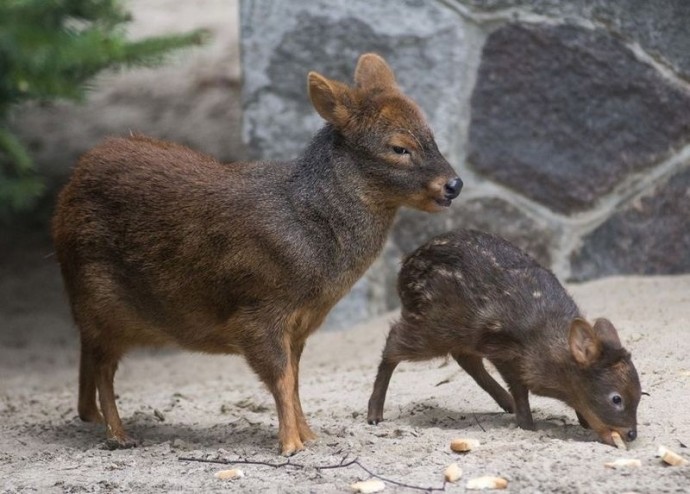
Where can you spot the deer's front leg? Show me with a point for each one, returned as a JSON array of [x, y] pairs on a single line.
[[273, 363], [305, 432], [284, 394], [520, 393]]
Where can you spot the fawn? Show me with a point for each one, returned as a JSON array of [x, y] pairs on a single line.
[[160, 244], [473, 295]]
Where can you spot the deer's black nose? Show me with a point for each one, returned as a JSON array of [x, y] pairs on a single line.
[[632, 434], [452, 188]]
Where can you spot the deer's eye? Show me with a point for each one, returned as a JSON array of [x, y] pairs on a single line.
[[400, 150], [617, 400]]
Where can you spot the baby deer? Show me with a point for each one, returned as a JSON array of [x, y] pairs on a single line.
[[473, 295], [159, 244]]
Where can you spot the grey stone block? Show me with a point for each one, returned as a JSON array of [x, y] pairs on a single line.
[[490, 214], [649, 236], [659, 26], [425, 43], [563, 114]]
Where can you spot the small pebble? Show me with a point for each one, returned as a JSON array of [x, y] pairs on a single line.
[[233, 473], [624, 463], [463, 445], [368, 486], [452, 473], [480, 483]]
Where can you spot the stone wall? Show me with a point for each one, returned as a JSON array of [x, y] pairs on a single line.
[[569, 121]]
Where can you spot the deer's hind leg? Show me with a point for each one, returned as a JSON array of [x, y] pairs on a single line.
[[378, 395], [394, 352], [474, 366], [87, 407], [116, 437], [102, 346]]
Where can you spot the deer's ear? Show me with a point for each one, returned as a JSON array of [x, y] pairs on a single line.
[[585, 346], [373, 72], [330, 98], [607, 333]]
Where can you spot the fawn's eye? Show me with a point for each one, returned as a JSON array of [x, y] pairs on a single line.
[[617, 400], [400, 150]]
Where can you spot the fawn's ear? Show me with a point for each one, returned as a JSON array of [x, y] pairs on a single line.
[[607, 333], [330, 98], [373, 72], [585, 346]]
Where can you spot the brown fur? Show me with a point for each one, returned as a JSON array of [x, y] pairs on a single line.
[[159, 244], [473, 296]]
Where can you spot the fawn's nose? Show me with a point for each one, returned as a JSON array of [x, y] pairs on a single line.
[[452, 188], [632, 434]]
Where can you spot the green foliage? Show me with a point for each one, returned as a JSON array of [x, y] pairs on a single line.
[[20, 187], [50, 49]]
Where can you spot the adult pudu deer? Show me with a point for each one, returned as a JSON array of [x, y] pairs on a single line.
[[160, 244]]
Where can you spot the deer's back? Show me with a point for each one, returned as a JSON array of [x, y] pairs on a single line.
[[179, 241], [471, 285]]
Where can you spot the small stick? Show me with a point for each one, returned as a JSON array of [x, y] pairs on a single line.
[[342, 464], [395, 482], [242, 462], [477, 420]]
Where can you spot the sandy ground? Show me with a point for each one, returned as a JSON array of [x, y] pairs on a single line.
[[186, 405]]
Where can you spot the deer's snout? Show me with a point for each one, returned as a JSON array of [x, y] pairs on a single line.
[[452, 188], [626, 433]]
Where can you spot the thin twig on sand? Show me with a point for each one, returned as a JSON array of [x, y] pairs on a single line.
[[479, 424], [342, 464]]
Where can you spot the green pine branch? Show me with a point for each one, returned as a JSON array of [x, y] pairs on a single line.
[[51, 49]]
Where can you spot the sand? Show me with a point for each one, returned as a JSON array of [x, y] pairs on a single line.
[[188, 405]]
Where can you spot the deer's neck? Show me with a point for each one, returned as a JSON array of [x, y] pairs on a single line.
[[548, 366], [334, 200]]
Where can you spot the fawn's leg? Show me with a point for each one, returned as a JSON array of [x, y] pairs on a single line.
[[87, 408], [115, 432], [520, 393], [474, 366], [272, 361], [378, 395], [393, 354], [582, 420], [305, 432]]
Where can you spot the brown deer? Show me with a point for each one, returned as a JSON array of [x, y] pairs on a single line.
[[473, 295], [159, 244]]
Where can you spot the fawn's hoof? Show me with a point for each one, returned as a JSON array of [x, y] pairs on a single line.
[[507, 406], [374, 419], [121, 442], [527, 425]]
